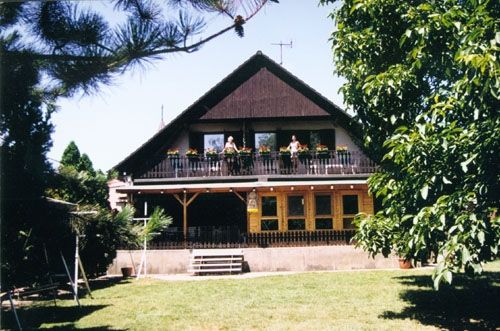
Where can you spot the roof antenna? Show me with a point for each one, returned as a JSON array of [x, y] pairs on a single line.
[[162, 123], [280, 44]]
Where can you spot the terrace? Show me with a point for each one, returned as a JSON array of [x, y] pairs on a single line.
[[274, 164]]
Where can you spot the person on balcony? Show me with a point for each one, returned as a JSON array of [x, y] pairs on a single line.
[[230, 155], [294, 150]]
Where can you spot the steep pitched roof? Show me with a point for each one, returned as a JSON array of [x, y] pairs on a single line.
[[215, 105]]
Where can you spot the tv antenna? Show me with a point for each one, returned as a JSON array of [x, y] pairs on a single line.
[[280, 44]]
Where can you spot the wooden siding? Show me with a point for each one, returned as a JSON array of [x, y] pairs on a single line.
[[365, 204], [262, 96]]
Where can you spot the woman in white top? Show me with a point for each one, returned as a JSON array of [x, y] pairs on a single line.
[[294, 149], [294, 146], [230, 144], [232, 162]]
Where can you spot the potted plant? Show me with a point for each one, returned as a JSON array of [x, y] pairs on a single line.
[[127, 272], [192, 154], [173, 156], [304, 154], [246, 157], [211, 154], [343, 154], [265, 155], [285, 157], [322, 152]]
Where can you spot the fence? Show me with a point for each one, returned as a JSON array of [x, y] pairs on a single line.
[[231, 237], [329, 162]]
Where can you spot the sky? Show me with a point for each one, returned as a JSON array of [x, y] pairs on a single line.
[[113, 123]]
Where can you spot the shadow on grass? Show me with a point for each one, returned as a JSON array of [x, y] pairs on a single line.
[[32, 317], [470, 304]]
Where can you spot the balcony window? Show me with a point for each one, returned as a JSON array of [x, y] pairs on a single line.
[[215, 141], [266, 139]]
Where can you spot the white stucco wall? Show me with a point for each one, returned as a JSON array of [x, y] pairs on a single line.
[[341, 135]]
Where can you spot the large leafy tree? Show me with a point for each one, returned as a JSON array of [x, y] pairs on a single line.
[[50, 49], [423, 78]]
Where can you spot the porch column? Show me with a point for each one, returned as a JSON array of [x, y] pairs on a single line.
[[185, 203]]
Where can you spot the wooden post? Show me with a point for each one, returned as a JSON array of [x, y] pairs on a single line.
[[184, 216], [185, 203]]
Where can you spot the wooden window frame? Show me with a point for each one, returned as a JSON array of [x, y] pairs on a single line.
[[332, 209], [278, 216], [295, 217], [345, 216], [276, 140]]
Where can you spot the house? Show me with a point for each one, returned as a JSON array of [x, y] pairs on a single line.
[[263, 196]]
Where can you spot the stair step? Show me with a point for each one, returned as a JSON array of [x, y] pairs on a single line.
[[216, 265], [213, 270]]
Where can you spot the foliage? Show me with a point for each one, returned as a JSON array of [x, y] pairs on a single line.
[[25, 130], [71, 155], [73, 48], [423, 79], [157, 223], [104, 232], [79, 48], [76, 180]]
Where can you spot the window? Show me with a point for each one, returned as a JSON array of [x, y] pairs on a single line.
[[267, 139], [295, 212], [269, 214], [350, 204], [296, 205], [323, 212], [213, 141], [314, 139], [269, 207], [324, 223], [269, 225], [297, 224], [349, 209]]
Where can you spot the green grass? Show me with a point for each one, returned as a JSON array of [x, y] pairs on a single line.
[[365, 300]]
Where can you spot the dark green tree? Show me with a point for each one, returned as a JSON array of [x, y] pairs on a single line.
[[71, 155], [74, 49], [423, 79], [84, 164]]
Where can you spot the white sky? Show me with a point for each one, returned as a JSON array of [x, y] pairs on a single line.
[[111, 125]]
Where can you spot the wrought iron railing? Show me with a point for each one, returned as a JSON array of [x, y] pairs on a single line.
[[329, 162], [232, 237]]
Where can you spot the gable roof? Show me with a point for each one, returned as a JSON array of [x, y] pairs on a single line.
[[213, 105]]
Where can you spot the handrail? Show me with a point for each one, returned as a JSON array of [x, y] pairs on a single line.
[[325, 163]]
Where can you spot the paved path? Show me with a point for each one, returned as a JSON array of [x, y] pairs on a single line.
[[247, 275]]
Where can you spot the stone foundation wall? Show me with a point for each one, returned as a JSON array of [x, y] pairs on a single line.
[[262, 259]]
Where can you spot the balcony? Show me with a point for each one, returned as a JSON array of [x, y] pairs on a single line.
[[346, 163]]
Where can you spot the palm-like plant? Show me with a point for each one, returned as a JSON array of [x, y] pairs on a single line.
[[157, 223]]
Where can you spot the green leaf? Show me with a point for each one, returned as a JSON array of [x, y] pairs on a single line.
[[424, 191]]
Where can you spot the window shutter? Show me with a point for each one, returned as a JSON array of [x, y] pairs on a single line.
[[327, 138], [196, 141]]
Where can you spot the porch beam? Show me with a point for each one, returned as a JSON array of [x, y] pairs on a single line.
[[240, 196], [192, 198]]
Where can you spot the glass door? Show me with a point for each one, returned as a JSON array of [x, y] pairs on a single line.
[[295, 212]]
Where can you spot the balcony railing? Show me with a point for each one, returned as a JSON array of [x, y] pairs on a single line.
[[232, 237], [328, 163]]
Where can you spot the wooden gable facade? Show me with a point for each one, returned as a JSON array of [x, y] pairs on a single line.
[[259, 104]]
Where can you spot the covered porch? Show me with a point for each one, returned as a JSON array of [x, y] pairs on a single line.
[[256, 213]]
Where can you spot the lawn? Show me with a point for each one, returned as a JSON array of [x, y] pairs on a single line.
[[359, 300]]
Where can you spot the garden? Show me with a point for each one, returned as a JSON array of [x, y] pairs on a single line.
[[346, 300]]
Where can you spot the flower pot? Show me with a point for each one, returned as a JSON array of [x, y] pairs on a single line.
[[405, 264], [126, 272]]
